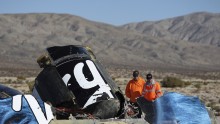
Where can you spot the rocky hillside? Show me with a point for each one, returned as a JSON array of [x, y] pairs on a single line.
[[197, 27], [187, 42]]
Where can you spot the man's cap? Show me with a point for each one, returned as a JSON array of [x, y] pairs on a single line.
[[135, 73], [149, 76]]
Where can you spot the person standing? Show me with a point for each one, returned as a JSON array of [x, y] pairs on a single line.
[[134, 90], [151, 91]]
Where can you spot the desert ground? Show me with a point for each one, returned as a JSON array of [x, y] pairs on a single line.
[[204, 85]]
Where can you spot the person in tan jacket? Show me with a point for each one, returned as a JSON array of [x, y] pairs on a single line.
[[134, 90]]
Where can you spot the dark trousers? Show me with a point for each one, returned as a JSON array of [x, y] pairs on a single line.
[[148, 108]]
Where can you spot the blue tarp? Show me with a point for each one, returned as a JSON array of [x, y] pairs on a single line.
[[9, 91], [9, 116], [177, 108]]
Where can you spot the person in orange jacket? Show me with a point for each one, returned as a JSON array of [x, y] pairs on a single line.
[[151, 91], [134, 90]]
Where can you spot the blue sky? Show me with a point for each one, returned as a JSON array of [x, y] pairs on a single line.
[[115, 12]]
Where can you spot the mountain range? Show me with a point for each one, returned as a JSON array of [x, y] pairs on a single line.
[[189, 42]]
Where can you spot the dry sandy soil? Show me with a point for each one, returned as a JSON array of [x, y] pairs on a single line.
[[206, 89]]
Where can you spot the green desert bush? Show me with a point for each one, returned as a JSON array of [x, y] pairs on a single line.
[[198, 86], [113, 78], [216, 108], [173, 82], [9, 81], [21, 78], [211, 104], [30, 85]]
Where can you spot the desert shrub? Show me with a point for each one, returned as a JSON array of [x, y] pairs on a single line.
[[198, 86], [30, 85], [9, 81], [216, 108], [211, 104], [187, 83], [173, 82], [14, 82], [113, 78], [21, 78], [208, 105]]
